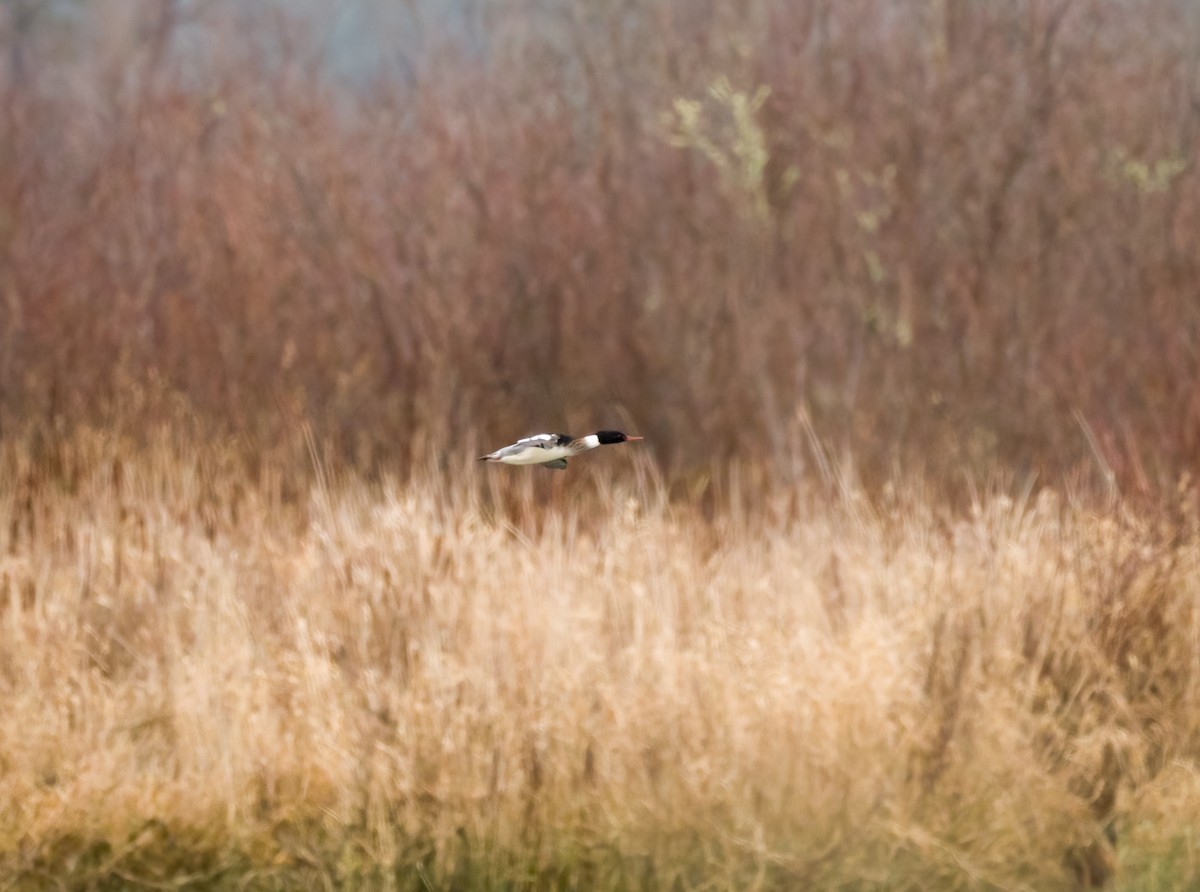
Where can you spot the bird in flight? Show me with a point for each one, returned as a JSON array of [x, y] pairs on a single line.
[[553, 450]]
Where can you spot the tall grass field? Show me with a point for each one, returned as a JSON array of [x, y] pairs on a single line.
[[218, 679]]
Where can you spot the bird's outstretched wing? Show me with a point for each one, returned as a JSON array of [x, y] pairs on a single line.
[[559, 464], [544, 441]]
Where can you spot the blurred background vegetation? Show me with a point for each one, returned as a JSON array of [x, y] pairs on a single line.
[[936, 237]]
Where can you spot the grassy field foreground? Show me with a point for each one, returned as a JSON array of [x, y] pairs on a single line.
[[214, 677]]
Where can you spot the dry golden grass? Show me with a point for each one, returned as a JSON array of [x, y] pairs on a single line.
[[235, 678]]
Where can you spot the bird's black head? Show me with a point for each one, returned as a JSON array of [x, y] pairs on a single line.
[[607, 438]]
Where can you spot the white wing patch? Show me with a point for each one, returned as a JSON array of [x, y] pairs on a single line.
[[544, 441]]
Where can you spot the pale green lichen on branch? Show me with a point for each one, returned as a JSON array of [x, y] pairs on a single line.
[[1147, 177], [725, 130]]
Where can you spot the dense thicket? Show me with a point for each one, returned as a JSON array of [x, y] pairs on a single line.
[[948, 234]]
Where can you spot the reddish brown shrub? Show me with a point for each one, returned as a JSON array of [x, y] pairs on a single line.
[[969, 244]]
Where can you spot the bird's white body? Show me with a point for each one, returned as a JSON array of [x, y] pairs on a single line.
[[552, 450], [542, 448]]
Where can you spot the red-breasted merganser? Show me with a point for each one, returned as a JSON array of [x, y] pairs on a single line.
[[553, 450]]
